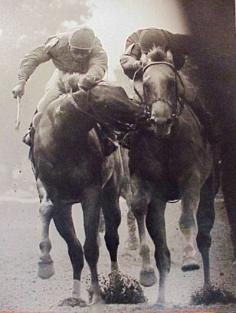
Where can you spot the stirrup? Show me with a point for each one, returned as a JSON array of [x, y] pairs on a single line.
[[27, 139]]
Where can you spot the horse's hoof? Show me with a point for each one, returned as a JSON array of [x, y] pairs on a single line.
[[190, 264], [45, 269], [147, 277], [73, 302]]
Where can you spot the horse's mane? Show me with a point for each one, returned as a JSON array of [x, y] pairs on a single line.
[[156, 54], [69, 83]]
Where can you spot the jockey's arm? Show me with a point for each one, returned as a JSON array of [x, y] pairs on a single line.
[[31, 61], [98, 65], [130, 60], [28, 65]]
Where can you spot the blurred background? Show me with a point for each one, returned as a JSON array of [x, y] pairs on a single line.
[[25, 24]]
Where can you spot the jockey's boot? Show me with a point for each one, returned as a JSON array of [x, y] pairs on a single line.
[[27, 138], [108, 140]]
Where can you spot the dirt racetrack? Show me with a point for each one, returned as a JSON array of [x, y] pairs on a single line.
[[22, 291]]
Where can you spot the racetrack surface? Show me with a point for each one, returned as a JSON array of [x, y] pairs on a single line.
[[22, 291]]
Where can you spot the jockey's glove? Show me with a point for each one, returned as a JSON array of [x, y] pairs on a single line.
[[87, 83], [19, 89]]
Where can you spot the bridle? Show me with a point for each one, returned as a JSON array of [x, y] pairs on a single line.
[[176, 107]]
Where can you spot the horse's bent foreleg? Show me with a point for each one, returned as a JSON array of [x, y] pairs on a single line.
[[64, 223], [45, 264], [139, 206], [188, 225], [205, 220], [112, 215], [126, 193], [91, 205], [157, 230]]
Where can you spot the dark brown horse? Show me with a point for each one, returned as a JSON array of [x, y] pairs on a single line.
[[170, 160], [70, 167], [214, 51]]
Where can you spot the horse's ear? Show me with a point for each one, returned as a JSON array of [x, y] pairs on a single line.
[[169, 56], [144, 59]]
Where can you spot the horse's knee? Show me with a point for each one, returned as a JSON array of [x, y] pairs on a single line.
[[46, 210], [138, 206]]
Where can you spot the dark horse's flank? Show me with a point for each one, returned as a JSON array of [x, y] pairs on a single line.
[[70, 167], [214, 49], [170, 160]]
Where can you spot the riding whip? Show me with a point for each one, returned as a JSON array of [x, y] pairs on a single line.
[[17, 124]]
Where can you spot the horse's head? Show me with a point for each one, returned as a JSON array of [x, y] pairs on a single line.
[[162, 87]]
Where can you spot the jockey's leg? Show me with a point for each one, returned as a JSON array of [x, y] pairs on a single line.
[[52, 92]]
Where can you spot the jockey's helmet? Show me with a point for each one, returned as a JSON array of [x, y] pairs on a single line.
[[150, 38], [81, 42]]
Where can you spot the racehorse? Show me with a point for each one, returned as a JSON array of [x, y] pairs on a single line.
[[170, 159], [215, 58], [70, 167]]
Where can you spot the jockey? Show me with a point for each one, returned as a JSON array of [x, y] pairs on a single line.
[[79, 51], [137, 46]]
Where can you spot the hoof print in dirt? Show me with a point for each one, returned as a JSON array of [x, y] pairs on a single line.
[[212, 295]]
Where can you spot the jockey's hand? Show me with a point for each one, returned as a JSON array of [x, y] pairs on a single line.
[[19, 90], [87, 83]]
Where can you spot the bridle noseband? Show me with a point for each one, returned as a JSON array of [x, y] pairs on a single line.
[[177, 107]]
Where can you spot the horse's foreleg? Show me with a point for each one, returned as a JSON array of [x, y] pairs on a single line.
[[64, 223], [131, 224], [112, 215], [205, 220], [139, 206], [157, 230], [91, 204], [188, 225], [45, 264]]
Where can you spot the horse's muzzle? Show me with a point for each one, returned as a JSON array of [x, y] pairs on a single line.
[[160, 126]]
